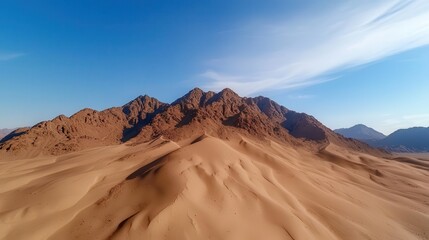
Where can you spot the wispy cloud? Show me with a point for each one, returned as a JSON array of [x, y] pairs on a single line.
[[309, 49], [10, 56], [301, 97]]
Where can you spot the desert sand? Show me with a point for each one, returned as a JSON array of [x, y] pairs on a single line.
[[207, 166], [206, 187]]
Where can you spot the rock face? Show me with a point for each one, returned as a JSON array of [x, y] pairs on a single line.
[[361, 132], [221, 114]]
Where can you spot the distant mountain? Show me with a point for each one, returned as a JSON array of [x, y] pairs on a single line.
[[360, 132], [4, 132], [414, 139]]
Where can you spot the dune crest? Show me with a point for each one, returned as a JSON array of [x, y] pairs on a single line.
[[206, 187]]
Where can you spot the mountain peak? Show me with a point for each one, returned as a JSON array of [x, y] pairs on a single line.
[[227, 96], [360, 132], [191, 100], [228, 93], [143, 99], [196, 90], [142, 103]]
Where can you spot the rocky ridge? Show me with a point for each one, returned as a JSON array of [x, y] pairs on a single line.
[[222, 114]]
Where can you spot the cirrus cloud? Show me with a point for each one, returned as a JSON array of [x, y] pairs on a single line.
[[10, 56], [308, 49]]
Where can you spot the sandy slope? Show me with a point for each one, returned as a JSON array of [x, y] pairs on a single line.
[[208, 188]]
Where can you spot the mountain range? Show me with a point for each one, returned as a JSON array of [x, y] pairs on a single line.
[[145, 118], [414, 139], [206, 166]]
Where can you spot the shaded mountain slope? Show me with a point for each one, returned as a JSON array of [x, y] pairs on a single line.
[[14, 133], [4, 132]]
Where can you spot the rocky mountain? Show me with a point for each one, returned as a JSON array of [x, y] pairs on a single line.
[[87, 128], [220, 114], [414, 139], [360, 132]]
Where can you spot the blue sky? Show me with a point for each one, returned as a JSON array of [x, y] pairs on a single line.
[[345, 62]]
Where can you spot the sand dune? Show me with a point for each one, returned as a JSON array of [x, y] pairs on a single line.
[[209, 188]]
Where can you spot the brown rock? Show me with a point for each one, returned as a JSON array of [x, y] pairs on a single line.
[[224, 114]]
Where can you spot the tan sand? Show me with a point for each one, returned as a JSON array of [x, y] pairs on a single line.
[[210, 188]]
